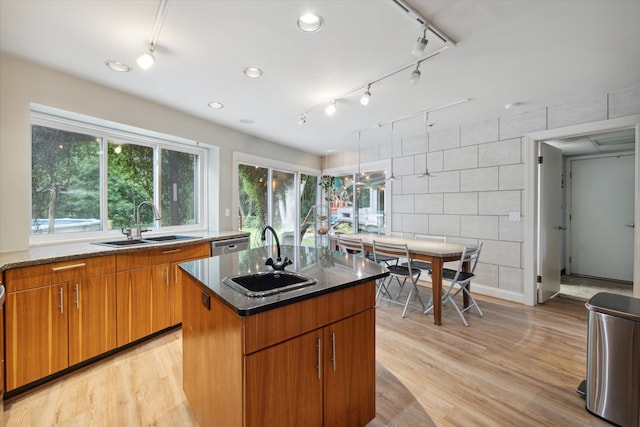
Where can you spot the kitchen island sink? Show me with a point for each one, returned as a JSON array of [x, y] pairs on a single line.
[[268, 283]]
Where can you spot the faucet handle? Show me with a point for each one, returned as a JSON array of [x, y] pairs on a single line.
[[127, 232]]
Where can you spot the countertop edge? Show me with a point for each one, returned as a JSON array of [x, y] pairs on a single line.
[[46, 254]]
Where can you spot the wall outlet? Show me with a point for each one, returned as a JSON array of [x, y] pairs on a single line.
[[227, 212], [514, 216]]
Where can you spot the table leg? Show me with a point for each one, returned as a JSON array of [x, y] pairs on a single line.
[[466, 267], [436, 287]]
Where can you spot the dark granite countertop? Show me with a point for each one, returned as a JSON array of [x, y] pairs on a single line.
[[332, 270], [57, 252]]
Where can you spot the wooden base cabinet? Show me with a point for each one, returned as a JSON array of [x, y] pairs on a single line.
[[310, 363], [150, 291], [57, 315]]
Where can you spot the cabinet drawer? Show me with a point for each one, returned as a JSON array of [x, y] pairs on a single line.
[[162, 255], [22, 278], [296, 319]]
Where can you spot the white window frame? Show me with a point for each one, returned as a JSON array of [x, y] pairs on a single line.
[[248, 159], [63, 120]]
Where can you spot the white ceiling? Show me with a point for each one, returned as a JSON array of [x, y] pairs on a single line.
[[536, 53]]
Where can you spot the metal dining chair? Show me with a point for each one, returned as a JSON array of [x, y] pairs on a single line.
[[351, 245], [459, 282], [424, 265], [400, 273]]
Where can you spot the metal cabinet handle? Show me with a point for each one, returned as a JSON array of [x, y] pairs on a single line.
[[77, 301], [166, 275], [333, 349], [630, 225], [175, 274], [69, 267], [561, 227], [61, 306], [319, 346]]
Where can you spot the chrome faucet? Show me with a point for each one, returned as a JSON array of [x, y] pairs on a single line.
[[156, 212], [278, 264]]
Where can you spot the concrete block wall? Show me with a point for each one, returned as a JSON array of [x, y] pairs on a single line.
[[479, 180]]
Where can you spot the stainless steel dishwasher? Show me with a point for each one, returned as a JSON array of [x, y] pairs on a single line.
[[225, 246]]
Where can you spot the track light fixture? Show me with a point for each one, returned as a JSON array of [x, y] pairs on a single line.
[[302, 120], [147, 59], [331, 109], [415, 75], [366, 96], [421, 43]]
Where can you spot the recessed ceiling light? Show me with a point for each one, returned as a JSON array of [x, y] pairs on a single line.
[[247, 121], [310, 23], [253, 72], [117, 66], [216, 105]]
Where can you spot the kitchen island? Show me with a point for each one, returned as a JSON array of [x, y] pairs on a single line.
[[301, 357]]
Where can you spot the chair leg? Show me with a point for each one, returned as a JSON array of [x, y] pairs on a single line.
[[417, 294], [473, 301], [453, 303], [382, 288]]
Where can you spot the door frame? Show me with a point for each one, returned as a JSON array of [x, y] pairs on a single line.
[[530, 199]]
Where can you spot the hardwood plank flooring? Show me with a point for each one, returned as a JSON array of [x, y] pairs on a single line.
[[518, 365]]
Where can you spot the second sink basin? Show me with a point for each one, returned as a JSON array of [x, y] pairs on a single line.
[[168, 238], [145, 241], [121, 243], [268, 283]]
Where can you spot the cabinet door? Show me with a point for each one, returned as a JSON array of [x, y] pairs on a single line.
[[36, 334], [92, 317], [350, 371], [283, 383], [142, 302]]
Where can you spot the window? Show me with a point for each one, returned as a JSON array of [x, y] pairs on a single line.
[[87, 178], [285, 200], [361, 203]]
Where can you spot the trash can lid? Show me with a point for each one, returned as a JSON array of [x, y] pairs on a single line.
[[615, 305]]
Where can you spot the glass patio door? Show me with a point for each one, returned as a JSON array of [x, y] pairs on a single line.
[[283, 199]]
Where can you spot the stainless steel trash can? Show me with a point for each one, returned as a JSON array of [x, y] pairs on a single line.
[[613, 359]]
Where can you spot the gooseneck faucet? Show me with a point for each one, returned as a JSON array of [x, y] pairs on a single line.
[[156, 212], [279, 264]]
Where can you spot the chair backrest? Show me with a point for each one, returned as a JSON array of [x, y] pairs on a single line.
[[470, 254], [391, 250], [429, 237], [352, 245]]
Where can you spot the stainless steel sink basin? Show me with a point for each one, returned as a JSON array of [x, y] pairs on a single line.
[[146, 241], [122, 243], [168, 238], [268, 283]]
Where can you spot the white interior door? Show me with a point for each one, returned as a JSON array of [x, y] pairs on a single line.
[[550, 225], [602, 214]]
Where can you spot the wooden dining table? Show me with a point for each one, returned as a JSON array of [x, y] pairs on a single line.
[[435, 252]]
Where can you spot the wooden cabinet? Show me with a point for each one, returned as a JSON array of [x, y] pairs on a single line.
[[149, 290], [57, 315], [285, 387], [308, 363]]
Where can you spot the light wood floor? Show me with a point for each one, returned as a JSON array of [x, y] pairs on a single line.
[[518, 366]]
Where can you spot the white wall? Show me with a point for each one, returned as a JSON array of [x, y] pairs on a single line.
[[479, 179], [22, 83]]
